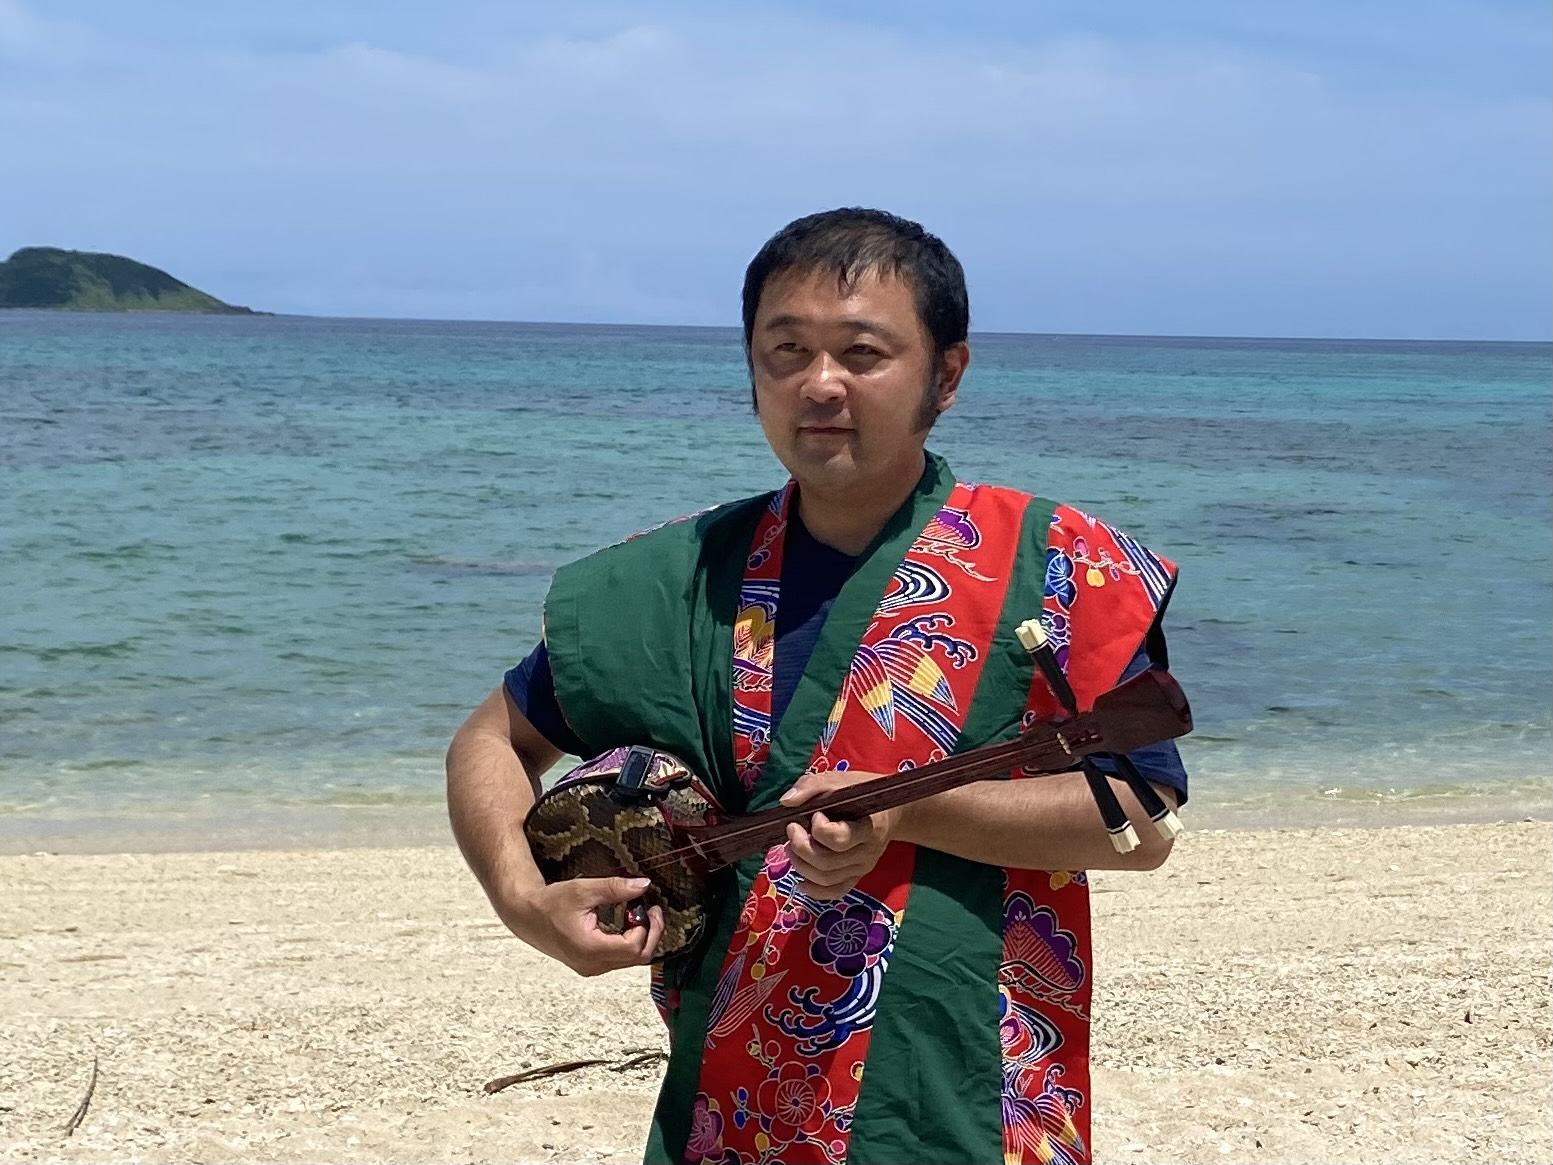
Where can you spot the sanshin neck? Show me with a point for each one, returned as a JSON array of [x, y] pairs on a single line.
[[730, 841]]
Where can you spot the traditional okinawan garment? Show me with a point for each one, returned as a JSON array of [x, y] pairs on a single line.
[[939, 1011]]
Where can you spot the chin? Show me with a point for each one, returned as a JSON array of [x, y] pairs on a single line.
[[830, 468]]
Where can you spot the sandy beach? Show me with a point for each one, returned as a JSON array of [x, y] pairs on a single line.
[[1355, 995]]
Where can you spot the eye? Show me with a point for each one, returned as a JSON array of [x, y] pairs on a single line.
[[861, 357]]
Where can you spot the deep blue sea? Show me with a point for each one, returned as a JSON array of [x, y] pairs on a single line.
[[254, 571]]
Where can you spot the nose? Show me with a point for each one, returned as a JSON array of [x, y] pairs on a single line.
[[824, 380]]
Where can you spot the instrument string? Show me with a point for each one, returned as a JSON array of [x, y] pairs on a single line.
[[984, 762]]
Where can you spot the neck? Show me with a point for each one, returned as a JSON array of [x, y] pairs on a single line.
[[849, 520]]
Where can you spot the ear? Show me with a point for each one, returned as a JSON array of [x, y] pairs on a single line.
[[957, 357]]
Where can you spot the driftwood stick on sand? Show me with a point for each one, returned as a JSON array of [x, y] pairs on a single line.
[[638, 1060], [493, 1086], [80, 1113], [635, 1058]]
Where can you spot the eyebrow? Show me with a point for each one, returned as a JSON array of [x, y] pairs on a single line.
[[791, 321]]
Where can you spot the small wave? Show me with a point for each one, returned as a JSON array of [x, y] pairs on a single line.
[[120, 649], [362, 799], [460, 566], [130, 552]]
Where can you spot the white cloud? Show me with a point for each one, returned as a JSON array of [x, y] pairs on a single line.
[[720, 106], [673, 128]]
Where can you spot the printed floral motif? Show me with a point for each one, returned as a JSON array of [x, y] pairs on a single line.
[[1061, 592], [706, 1129], [740, 995], [914, 584], [795, 1099], [899, 674], [754, 642], [849, 939], [1135, 560]]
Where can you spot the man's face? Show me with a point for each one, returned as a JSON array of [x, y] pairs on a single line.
[[841, 378]]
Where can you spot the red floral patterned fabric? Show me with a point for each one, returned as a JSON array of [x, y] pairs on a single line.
[[789, 1027]]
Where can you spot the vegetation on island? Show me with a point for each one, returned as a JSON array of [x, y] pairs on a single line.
[[52, 278]]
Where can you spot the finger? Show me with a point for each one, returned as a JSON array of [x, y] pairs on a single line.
[[644, 938], [797, 840], [803, 788], [831, 845], [601, 951], [655, 924], [805, 855], [638, 944], [587, 930], [832, 869], [840, 835], [593, 892], [811, 785], [827, 893], [829, 868]]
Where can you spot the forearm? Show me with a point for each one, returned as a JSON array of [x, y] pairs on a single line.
[[490, 791], [1042, 823], [493, 781]]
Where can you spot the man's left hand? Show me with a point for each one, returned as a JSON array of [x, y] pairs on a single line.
[[831, 857]]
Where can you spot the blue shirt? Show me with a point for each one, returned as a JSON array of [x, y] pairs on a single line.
[[812, 576]]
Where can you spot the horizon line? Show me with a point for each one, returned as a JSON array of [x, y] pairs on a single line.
[[258, 313]]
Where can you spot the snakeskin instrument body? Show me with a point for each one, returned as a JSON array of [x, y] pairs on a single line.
[[587, 826]]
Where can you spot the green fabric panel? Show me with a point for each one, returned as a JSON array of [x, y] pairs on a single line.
[[932, 1087], [641, 644], [799, 733], [640, 637]]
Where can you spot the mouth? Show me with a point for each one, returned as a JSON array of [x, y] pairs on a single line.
[[824, 430]]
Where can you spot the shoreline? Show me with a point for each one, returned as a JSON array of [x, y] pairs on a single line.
[[1360, 995], [246, 827]]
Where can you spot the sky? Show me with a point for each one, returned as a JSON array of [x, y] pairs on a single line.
[[1344, 168]]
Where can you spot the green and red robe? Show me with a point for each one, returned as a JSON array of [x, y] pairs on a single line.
[[940, 1011]]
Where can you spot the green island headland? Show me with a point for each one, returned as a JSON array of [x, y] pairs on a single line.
[[51, 278]]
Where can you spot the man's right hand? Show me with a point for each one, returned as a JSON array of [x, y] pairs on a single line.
[[561, 920]]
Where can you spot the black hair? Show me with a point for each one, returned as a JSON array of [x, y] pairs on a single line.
[[854, 241]]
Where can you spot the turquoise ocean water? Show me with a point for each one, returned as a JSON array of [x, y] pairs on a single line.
[[253, 572]]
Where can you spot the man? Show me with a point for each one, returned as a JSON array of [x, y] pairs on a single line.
[[910, 987]]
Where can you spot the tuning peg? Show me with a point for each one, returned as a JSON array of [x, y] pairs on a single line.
[[1037, 644], [1032, 636], [1165, 821], [1124, 838]]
